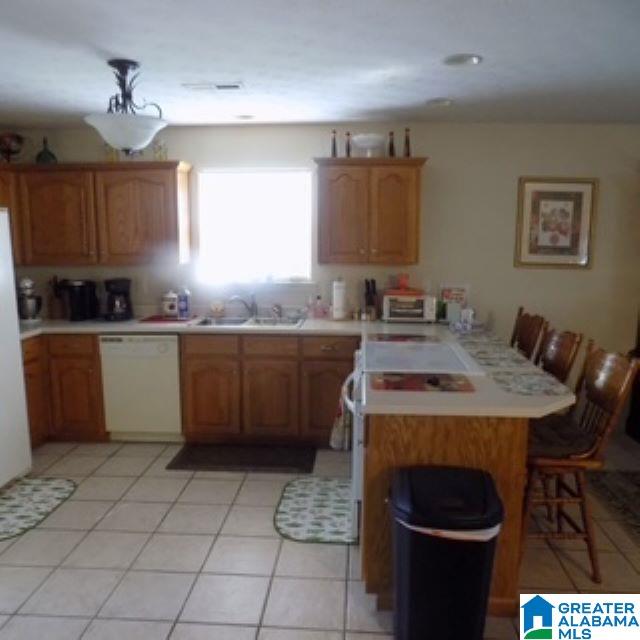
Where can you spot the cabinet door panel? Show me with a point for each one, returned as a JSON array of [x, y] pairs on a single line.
[[137, 216], [9, 199], [343, 202], [36, 386], [76, 398], [211, 398], [58, 217], [270, 396], [321, 385], [394, 215]]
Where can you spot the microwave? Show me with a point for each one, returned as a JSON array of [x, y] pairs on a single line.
[[408, 308]]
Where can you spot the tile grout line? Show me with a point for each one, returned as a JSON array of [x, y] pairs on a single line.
[[60, 564], [150, 534], [215, 538]]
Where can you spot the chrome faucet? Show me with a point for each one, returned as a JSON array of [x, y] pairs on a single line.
[[277, 311], [251, 306]]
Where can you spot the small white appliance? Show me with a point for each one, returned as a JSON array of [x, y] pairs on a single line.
[[408, 307], [15, 450], [141, 380]]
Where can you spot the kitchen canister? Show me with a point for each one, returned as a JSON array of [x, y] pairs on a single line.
[[170, 304], [339, 300]]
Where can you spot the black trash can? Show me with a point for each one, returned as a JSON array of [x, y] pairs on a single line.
[[446, 523]]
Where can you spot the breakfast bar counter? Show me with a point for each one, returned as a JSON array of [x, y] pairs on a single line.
[[478, 421]]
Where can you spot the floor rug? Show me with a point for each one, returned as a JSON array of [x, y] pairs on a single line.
[[316, 510], [269, 458], [28, 501], [620, 491]]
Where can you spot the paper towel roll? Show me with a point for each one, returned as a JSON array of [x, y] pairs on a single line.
[[339, 300]]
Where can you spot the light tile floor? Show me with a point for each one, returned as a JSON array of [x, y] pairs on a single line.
[[144, 553]]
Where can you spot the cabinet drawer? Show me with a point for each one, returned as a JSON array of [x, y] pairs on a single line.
[[77, 345], [270, 346], [31, 349], [332, 347], [211, 345]]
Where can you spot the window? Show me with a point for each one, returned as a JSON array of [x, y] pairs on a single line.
[[254, 226]]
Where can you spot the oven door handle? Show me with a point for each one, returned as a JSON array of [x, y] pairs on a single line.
[[346, 397]]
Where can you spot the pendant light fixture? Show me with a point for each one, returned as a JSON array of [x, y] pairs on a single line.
[[122, 127]]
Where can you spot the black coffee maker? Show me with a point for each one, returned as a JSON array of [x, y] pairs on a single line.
[[118, 299], [82, 302]]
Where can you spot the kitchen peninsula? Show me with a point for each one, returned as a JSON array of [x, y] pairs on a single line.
[[482, 424]]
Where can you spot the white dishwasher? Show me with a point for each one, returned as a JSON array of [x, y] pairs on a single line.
[[141, 381]]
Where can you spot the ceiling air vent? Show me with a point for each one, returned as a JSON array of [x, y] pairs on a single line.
[[213, 86]]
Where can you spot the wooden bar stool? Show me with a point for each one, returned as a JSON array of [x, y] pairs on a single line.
[[558, 352], [562, 447], [527, 330]]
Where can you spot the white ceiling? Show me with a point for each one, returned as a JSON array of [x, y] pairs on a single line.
[[325, 60]]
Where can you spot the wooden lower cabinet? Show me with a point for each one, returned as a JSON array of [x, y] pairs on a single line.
[[210, 397], [270, 394], [76, 389], [321, 382], [263, 388], [36, 383]]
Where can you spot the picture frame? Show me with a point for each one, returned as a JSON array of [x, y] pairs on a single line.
[[555, 222]]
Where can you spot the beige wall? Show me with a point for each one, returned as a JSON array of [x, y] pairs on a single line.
[[468, 220]]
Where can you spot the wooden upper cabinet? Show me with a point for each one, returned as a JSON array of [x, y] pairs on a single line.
[[393, 226], [137, 215], [343, 203], [58, 217], [9, 199], [369, 210], [107, 213]]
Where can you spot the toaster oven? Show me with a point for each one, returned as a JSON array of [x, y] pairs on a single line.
[[408, 308]]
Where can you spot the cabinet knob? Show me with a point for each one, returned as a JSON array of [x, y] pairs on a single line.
[[362, 252], [328, 347], [374, 251]]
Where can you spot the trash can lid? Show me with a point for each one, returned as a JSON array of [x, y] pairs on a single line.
[[450, 498]]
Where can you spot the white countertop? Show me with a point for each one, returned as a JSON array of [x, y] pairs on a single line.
[[488, 399], [309, 327]]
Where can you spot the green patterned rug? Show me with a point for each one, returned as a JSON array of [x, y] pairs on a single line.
[[28, 501], [315, 510]]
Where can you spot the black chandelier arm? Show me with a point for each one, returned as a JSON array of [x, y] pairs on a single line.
[[123, 102], [145, 104]]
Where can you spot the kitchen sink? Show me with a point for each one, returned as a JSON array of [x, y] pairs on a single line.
[[222, 322], [294, 323]]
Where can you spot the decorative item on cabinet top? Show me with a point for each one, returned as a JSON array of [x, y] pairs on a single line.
[[369, 210], [120, 213]]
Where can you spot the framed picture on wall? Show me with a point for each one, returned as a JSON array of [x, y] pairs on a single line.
[[555, 222]]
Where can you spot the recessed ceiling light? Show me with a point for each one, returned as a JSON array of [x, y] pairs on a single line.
[[245, 116], [463, 59], [439, 102]]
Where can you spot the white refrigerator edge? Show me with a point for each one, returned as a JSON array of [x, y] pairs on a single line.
[[15, 449]]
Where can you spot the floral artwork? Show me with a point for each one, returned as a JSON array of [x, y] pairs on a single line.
[[555, 220]]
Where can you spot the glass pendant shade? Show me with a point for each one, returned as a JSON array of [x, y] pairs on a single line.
[[126, 131]]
